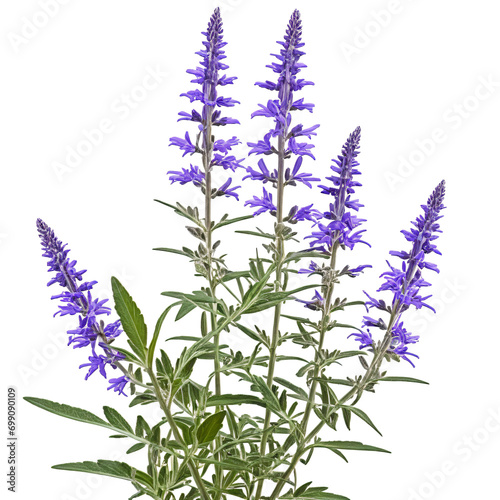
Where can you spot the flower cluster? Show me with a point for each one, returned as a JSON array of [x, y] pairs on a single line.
[[286, 137], [77, 300], [214, 153], [405, 282], [339, 224]]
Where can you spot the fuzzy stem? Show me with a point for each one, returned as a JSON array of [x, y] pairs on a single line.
[[280, 245], [208, 141], [177, 435], [325, 320]]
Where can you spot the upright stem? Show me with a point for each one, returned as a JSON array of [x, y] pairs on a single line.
[[325, 320], [207, 159], [301, 449], [280, 246], [358, 390], [177, 435]]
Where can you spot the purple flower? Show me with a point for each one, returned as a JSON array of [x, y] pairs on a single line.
[[225, 190], [353, 272], [193, 174], [208, 76], [342, 228], [312, 269], [405, 282], [282, 138], [118, 384], [316, 304], [265, 204], [297, 214], [400, 341], [184, 144], [293, 176], [364, 338], [77, 300]]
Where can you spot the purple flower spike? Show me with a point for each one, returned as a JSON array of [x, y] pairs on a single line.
[[406, 281], [208, 76], [342, 228], [77, 300], [282, 139]]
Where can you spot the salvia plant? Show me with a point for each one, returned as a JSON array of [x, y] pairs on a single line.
[[212, 443]]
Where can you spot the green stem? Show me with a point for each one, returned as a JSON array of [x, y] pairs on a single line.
[[355, 391], [280, 253], [207, 159], [325, 320], [177, 435]]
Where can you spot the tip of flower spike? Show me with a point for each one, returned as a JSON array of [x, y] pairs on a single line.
[[436, 199]]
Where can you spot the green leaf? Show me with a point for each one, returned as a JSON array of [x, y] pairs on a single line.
[[313, 494], [225, 222], [402, 379], [159, 324], [67, 411], [362, 415], [260, 234], [296, 389], [346, 445], [173, 250], [184, 212], [118, 425], [235, 274], [234, 399], [185, 309], [131, 318], [110, 468], [229, 463], [116, 420], [347, 417], [128, 355], [254, 291], [135, 447], [210, 427], [295, 257]]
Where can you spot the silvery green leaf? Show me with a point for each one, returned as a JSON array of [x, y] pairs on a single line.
[[131, 318]]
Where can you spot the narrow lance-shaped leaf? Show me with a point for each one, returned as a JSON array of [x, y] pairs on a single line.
[[131, 318], [110, 468]]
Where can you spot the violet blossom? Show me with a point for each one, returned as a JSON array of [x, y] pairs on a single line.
[[283, 139], [213, 152], [405, 282], [77, 300]]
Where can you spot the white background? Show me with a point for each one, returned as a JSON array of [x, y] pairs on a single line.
[[411, 73]]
